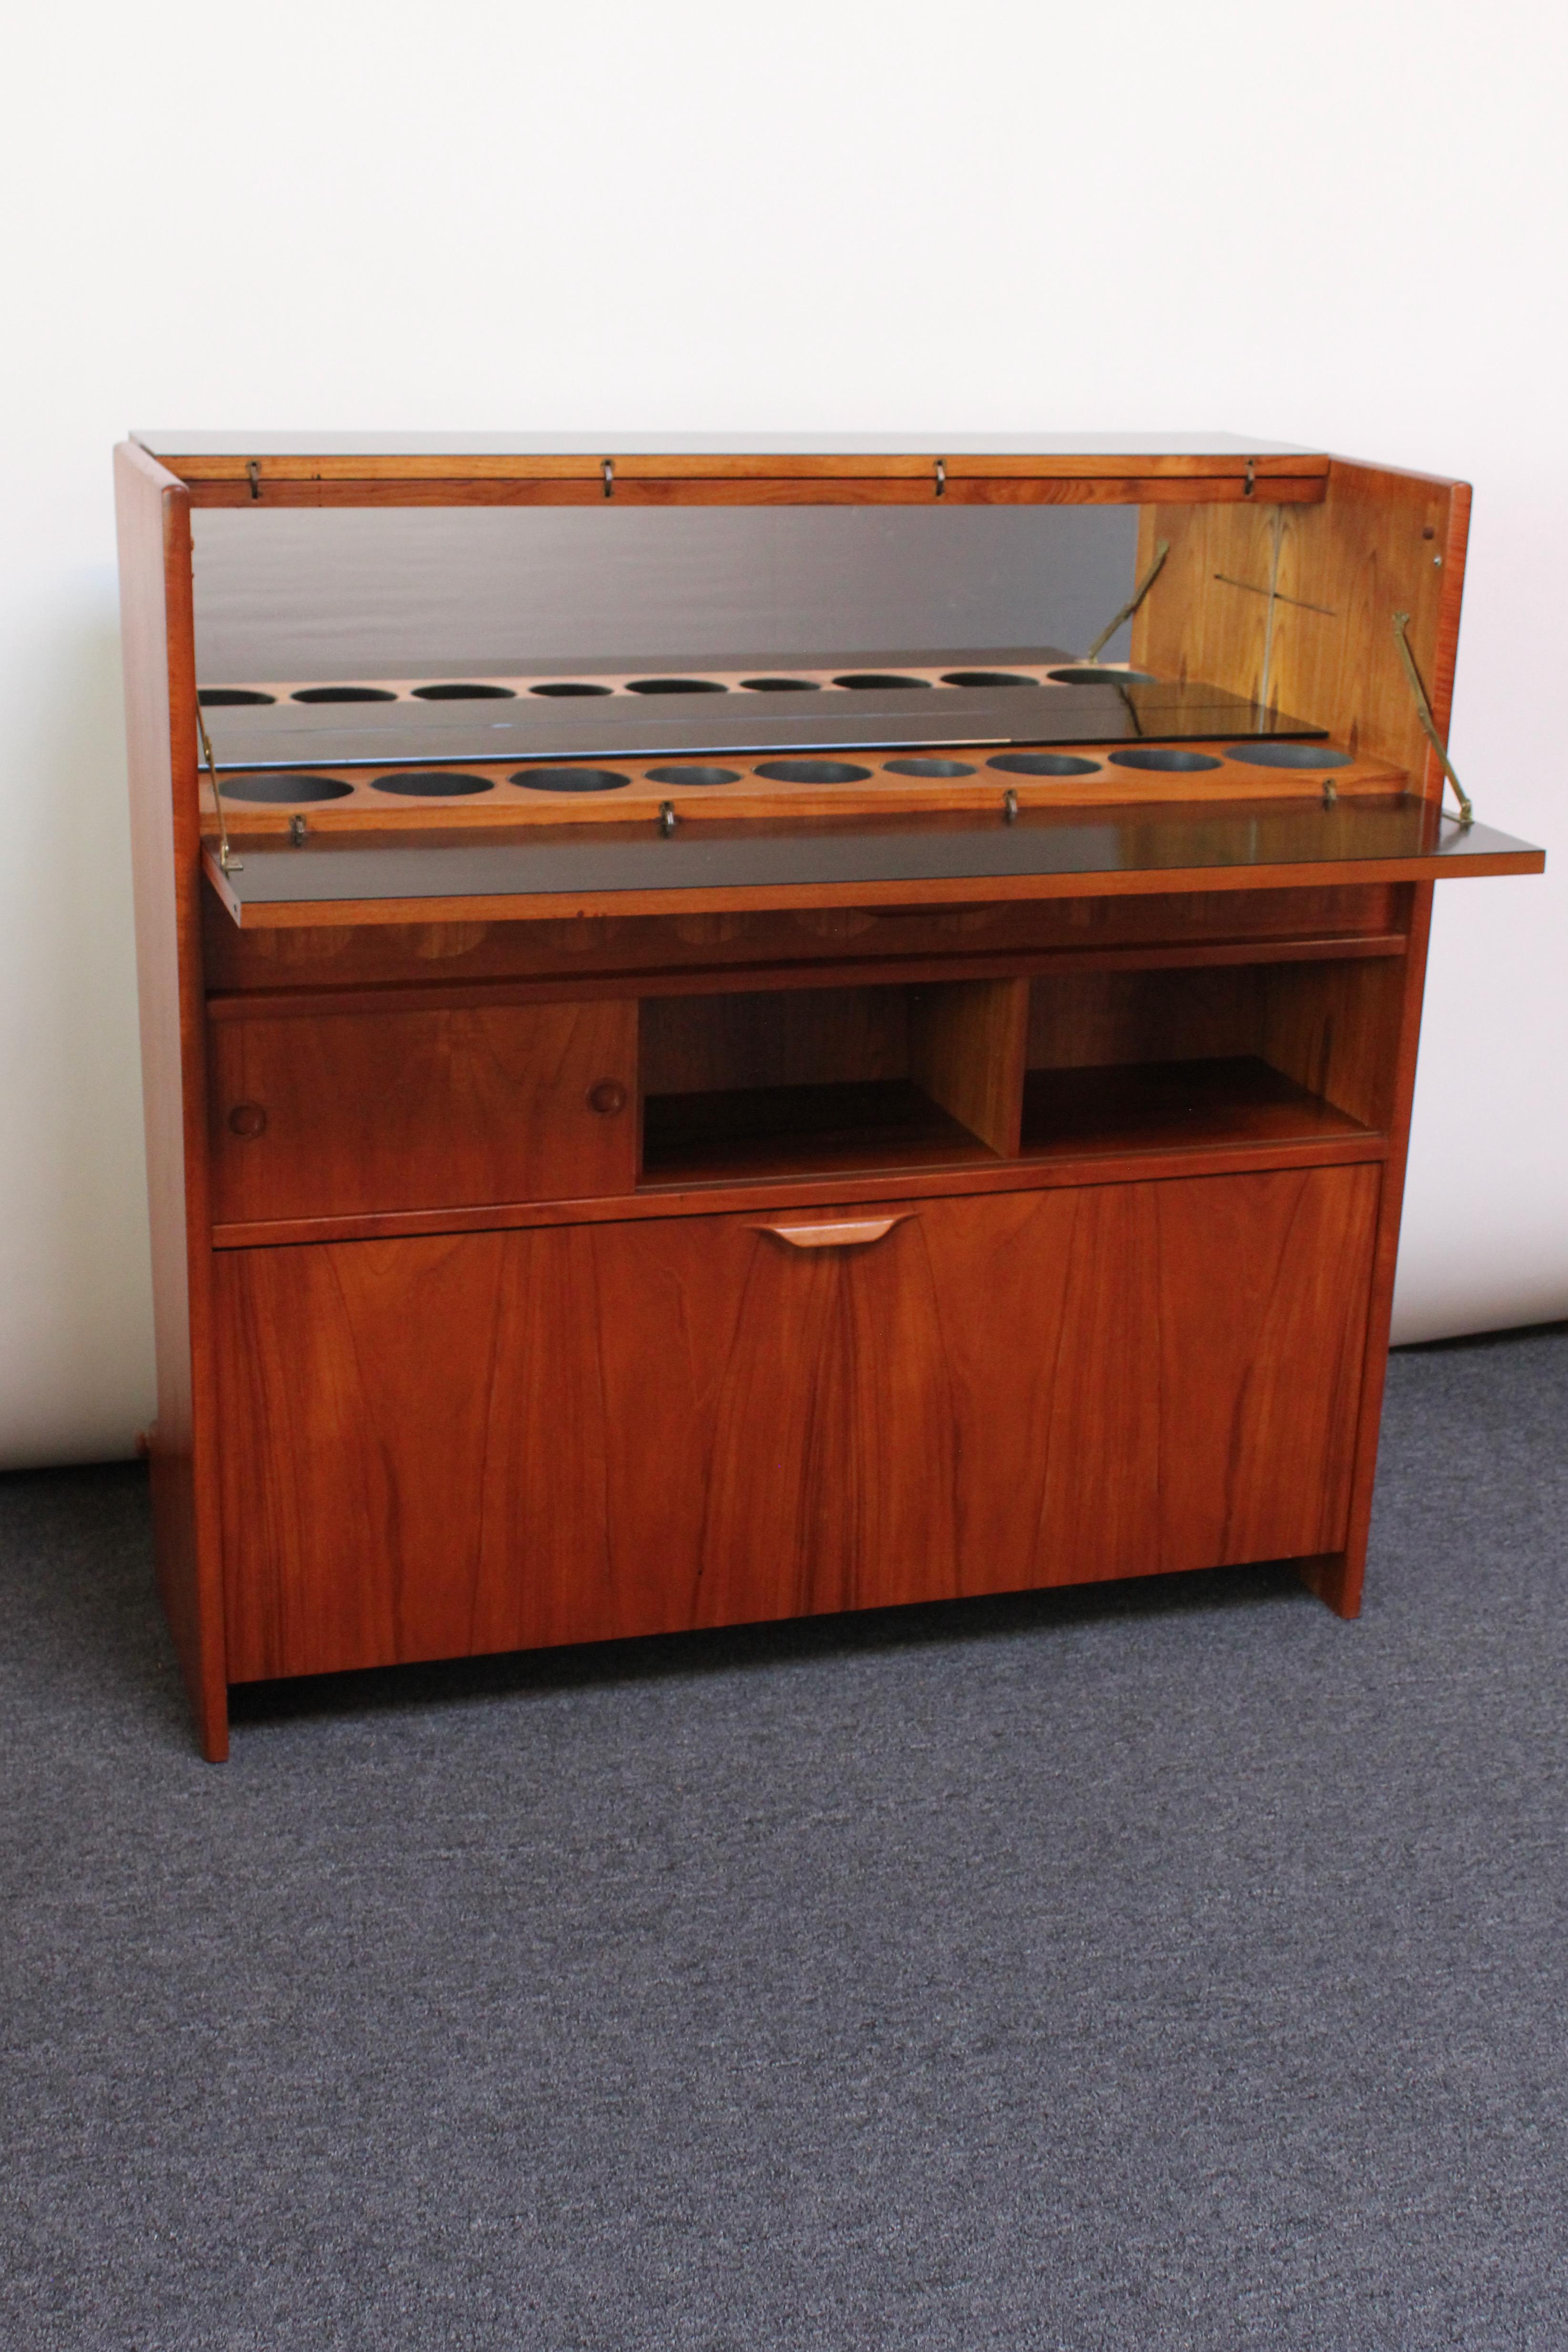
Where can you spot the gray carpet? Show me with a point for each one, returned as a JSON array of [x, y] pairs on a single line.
[[1171, 1966]]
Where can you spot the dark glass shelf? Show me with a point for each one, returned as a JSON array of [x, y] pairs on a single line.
[[1398, 839], [886, 717]]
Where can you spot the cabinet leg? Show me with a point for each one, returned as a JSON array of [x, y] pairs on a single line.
[[1336, 1578], [212, 1729]]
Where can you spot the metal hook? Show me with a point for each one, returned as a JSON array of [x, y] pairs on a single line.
[[254, 471], [942, 478], [1010, 806], [668, 820], [608, 470]]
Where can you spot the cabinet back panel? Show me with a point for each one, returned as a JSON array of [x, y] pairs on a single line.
[[1091, 1019], [799, 1037]]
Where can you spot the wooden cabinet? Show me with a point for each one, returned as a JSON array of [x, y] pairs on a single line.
[[634, 1151], [497, 1440]]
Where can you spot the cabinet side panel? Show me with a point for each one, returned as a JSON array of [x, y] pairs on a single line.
[[1321, 645], [1337, 1579], [152, 513]]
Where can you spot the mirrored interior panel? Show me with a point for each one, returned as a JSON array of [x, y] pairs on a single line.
[[321, 595]]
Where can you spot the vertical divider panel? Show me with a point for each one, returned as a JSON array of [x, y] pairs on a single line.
[[1334, 1028], [967, 1050]]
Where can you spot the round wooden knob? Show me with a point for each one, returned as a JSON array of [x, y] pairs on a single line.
[[248, 1119], [608, 1097]]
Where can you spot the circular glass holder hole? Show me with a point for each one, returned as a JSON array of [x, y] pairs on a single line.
[[1287, 755], [781, 685], [569, 780], [682, 776], [432, 783], [872, 682], [813, 771], [231, 697], [674, 685], [560, 689], [1090, 674], [929, 767], [342, 694], [285, 788], [459, 691], [1043, 763], [1164, 759], [985, 678]]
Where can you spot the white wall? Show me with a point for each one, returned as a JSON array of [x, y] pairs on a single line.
[[1334, 224]]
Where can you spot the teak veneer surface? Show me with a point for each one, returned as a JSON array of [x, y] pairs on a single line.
[[1200, 924], [464, 1445], [1138, 1106], [391, 1108], [608, 1233], [501, 805], [644, 470], [152, 515], [1383, 542], [371, 490]]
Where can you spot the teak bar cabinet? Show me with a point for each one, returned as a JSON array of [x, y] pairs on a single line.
[[648, 1141]]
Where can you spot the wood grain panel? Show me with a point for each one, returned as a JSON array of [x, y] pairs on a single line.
[[808, 1036], [1335, 1030], [1337, 1578], [494, 805], [1082, 1020], [818, 465], [355, 1386], [1322, 646], [503, 1440], [1129, 1406], [967, 1050], [1127, 488], [153, 523], [1240, 1134], [1225, 1107], [331, 955], [332, 1113], [961, 1045]]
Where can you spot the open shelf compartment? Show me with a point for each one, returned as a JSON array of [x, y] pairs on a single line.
[[820, 1080], [1243, 1055], [796, 1083]]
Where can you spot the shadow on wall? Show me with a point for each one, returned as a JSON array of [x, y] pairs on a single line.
[[76, 1348]]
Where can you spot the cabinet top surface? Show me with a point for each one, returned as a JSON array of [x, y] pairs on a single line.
[[170, 442]]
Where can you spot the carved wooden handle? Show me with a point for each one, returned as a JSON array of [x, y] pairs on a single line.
[[843, 1232]]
